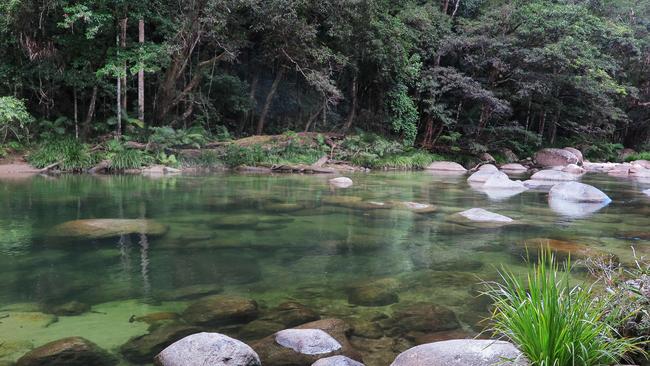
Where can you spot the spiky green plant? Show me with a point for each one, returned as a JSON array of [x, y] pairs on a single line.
[[70, 154], [552, 322]]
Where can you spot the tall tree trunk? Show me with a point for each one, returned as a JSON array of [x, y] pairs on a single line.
[[313, 117], [269, 100], [141, 74], [90, 114], [76, 114], [353, 106], [124, 23]]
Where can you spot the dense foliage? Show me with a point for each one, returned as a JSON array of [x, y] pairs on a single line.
[[451, 75]]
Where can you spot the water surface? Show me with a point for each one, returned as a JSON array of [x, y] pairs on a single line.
[[275, 238]]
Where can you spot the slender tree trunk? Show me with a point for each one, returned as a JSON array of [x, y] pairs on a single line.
[[76, 114], [248, 119], [313, 117], [269, 100], [90, 114], [353, 106], [123, 46], [141, 74]]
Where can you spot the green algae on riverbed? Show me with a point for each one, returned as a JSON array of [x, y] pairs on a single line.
[[273, 239]]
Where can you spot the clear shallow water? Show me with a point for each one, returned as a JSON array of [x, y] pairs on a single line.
[[274, 239]]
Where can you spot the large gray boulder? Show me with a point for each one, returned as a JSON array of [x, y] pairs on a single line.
[[462, 352], [448, 166], [307, 341], [577, 192], [575, 152], [212, 349], [71, 351], [555, 157], [337, 361], [483, 174]]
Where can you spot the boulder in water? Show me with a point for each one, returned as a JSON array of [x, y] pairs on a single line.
[[577, 192], [647, 192], [107, 228], [639, 171], [272, 353], [642, 163], [341, 182], [483, 174], [555, 157], [466, 352], [337, 361], [479, 217], [218, 310], [576, 152], [500, 180], [514, 168], [71, 351], [554, 175], [204, 348], [307, 341], [212, 349], [574, 169], [446, 166], [69, 308]]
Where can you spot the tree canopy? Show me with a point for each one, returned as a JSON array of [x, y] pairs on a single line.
[[466, 74]]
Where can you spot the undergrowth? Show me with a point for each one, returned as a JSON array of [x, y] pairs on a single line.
[[70, 154]]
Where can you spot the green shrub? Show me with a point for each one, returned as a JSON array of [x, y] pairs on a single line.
[[167, 159], [240, 155], [410, 160], [554, 323], [166, 137], [14, 119], [602, 151], [639, 156], [71, 155], [122, 158]]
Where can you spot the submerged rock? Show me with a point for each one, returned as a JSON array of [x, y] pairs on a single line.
[[69, 308], [577, 192], [341, 182], [479, 217], [555, 157], [424, 317], [561, 248], [466, 352], [218, 310], [157, 317], [143, 348], [374, 293], [292, 313], [211, 349], [337, 361], [107, 228], [575, 210], [356, 203], [446, 166], [554, 175], [191, 292], [421, 208], [272, 353], [259, 328], [72, 351]]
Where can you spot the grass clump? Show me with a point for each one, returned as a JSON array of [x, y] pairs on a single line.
[[554, 323], [70, 154], [123, 158]]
